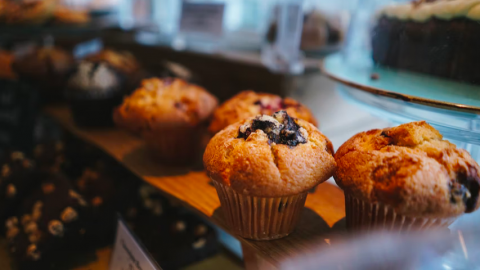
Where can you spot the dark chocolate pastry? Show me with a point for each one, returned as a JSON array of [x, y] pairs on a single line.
[[93, 91], [49, 156], [123, 62], [430, 37], [173, 236], [17, 179], [51, 219], [47, 69]]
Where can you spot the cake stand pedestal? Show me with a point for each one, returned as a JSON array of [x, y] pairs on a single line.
[[451, 107]]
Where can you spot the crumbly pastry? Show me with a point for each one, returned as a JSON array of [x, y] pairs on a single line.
[[268, 163], [94, 78], [160, 103], [249, 104], [6, 59], [169, 114], [411, 170], [63, 15], [29, 12], [46, 68], [123, 61], [94, 90]]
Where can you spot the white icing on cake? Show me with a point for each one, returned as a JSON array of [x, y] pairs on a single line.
[[441, 9]]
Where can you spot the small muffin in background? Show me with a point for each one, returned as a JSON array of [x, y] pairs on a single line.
[[63, 15], [170, 114], [263, 168], [6, 60], [124, 62], [46, 68], [93, 91], [248, 104], [29, 12], [405, 177]]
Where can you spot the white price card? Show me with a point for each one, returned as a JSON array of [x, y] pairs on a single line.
[[204, 18], [128, 253]]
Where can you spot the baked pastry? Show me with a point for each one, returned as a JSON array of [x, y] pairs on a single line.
[[63, 15], [267, 163], [405, 177], [6, 71], [169, 114], [432, 37], [46, 68], [17, 179], [51, 219], [93, 91], [248, 104], [29, 12], [124, 62]]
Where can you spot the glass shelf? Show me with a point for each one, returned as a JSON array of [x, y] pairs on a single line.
[[454, 109]]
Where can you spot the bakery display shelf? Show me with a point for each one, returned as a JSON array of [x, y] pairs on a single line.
[[323, 216]]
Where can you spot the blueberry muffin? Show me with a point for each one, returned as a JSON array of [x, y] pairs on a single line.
[[170, 114], [47, 69], [249, 104], [267, 163], [93, 91], [406, 177]]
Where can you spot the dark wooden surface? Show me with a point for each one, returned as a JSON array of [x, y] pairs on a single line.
[[322, 217]]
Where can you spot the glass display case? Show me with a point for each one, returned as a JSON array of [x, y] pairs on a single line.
[[407, 61]]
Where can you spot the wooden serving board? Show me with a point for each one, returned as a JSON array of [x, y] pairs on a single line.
[[322, 217]]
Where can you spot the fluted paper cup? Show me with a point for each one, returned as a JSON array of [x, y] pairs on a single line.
[[177, 145], [260, 218], [367, 216]]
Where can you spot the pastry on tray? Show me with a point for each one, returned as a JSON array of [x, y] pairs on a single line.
[[124, 62], [51, 220], [170, 114], [249, 103], [63, 15], [29, 12], [433, 37], [263, 168], [405, 177], [6, 60], [93, 91], [47, 69]]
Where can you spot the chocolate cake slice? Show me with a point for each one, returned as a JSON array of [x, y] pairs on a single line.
[[438, 38]]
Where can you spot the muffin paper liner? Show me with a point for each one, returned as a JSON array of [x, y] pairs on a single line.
[[260, 218], [366, 216], [174, 144]]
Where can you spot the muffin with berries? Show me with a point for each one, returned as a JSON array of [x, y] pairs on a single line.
[[249, 104], [263, 168], [406, 177], [170, 114]]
